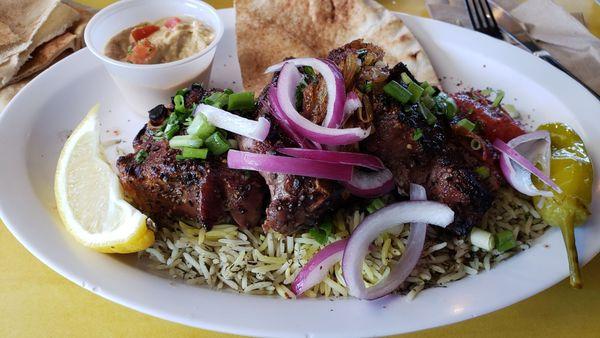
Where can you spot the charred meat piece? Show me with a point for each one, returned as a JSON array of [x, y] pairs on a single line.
[[297, 202], [432, 155], [300, 202], [200, 192]]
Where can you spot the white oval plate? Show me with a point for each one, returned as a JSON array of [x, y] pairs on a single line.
[[36, 123]]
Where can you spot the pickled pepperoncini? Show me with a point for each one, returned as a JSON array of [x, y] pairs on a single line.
[[571, 169]]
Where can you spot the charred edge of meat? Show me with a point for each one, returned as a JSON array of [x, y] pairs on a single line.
[[201, 193]]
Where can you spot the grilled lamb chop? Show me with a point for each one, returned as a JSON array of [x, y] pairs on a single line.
[[300, 202], [439, 160], [201, 192]]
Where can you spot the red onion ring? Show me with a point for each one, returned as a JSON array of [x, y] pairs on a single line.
[[288, 165], [282, 121], [351, 105], [358, 159], [516, 175], [370, 184], [318, 266], [257, 130], [335, 86], [289, 78], [387, 218]]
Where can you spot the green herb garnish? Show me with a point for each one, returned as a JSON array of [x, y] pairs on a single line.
[[375, 205], [395, 90], [416, 92], [429, 117], [241, 101], [465, 123], [505, 241], [322, 232], [200, 127], [141, 156], [185, 141], [417, 134], [218, 99], [483, 171], [217, 143], [192, 153], [499, 97]]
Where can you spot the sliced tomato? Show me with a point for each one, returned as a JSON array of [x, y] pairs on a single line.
[[143, 32], [493, 121], [172, 22], [142, 53]]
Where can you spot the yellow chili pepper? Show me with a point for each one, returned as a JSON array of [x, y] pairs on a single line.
[[571, 169]]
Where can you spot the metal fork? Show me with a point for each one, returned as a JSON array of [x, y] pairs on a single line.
[[482, 19]]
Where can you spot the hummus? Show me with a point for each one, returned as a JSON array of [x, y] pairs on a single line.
[[166, 40]]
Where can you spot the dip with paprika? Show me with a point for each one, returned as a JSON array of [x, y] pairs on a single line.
[[166, 40]]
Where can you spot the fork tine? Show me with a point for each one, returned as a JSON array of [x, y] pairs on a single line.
[[473, 12], [492, 25], [467, 2]]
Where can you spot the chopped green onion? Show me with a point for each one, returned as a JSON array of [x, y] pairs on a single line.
[[475, 144], [200, 127], [375, 205], [395, 90], [228, 91], [428, 115], [482, 239], [487, 91], [216, 143], [241, 101], [465, 123], [483, 171], [300, 94], [428, 102], [310, 72], [428, 90], [192, 153], [499, 97], [322, 232], [505, 240], [171, 130], [218, 99], [416, 92], [417, 134], [182, 141], [451, 108], [179, 103], [405, 78], [367, 87], [181, 92], [512, 111], [141, 156]]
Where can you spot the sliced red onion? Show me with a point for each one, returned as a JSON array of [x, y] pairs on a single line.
[[288, 165], [351, 105], [257, 130], [289, 77], [336, 95], [370, 184], [283, 123], [517, 168], [358, 159], [317, 268], [388, 218]]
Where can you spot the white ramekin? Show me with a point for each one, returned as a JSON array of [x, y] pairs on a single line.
[[145, 86]]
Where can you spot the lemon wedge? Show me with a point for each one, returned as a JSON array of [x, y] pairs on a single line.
[[90, 199]]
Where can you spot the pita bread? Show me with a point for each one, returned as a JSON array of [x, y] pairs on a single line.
[[46, 55], [24, 18], [270, 30], [61, 18], [7, 36], [8, 92]]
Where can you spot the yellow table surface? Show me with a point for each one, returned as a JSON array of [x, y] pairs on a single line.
[[37, 302]]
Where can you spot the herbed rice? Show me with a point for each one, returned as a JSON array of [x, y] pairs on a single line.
[[248, 261]]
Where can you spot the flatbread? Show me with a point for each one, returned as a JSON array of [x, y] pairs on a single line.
[[7, 93], [46, 55], [61, 18], [7, 36], [270, 30], [24, 18]]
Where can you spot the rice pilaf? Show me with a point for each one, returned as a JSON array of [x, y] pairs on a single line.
[[249, 261]]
